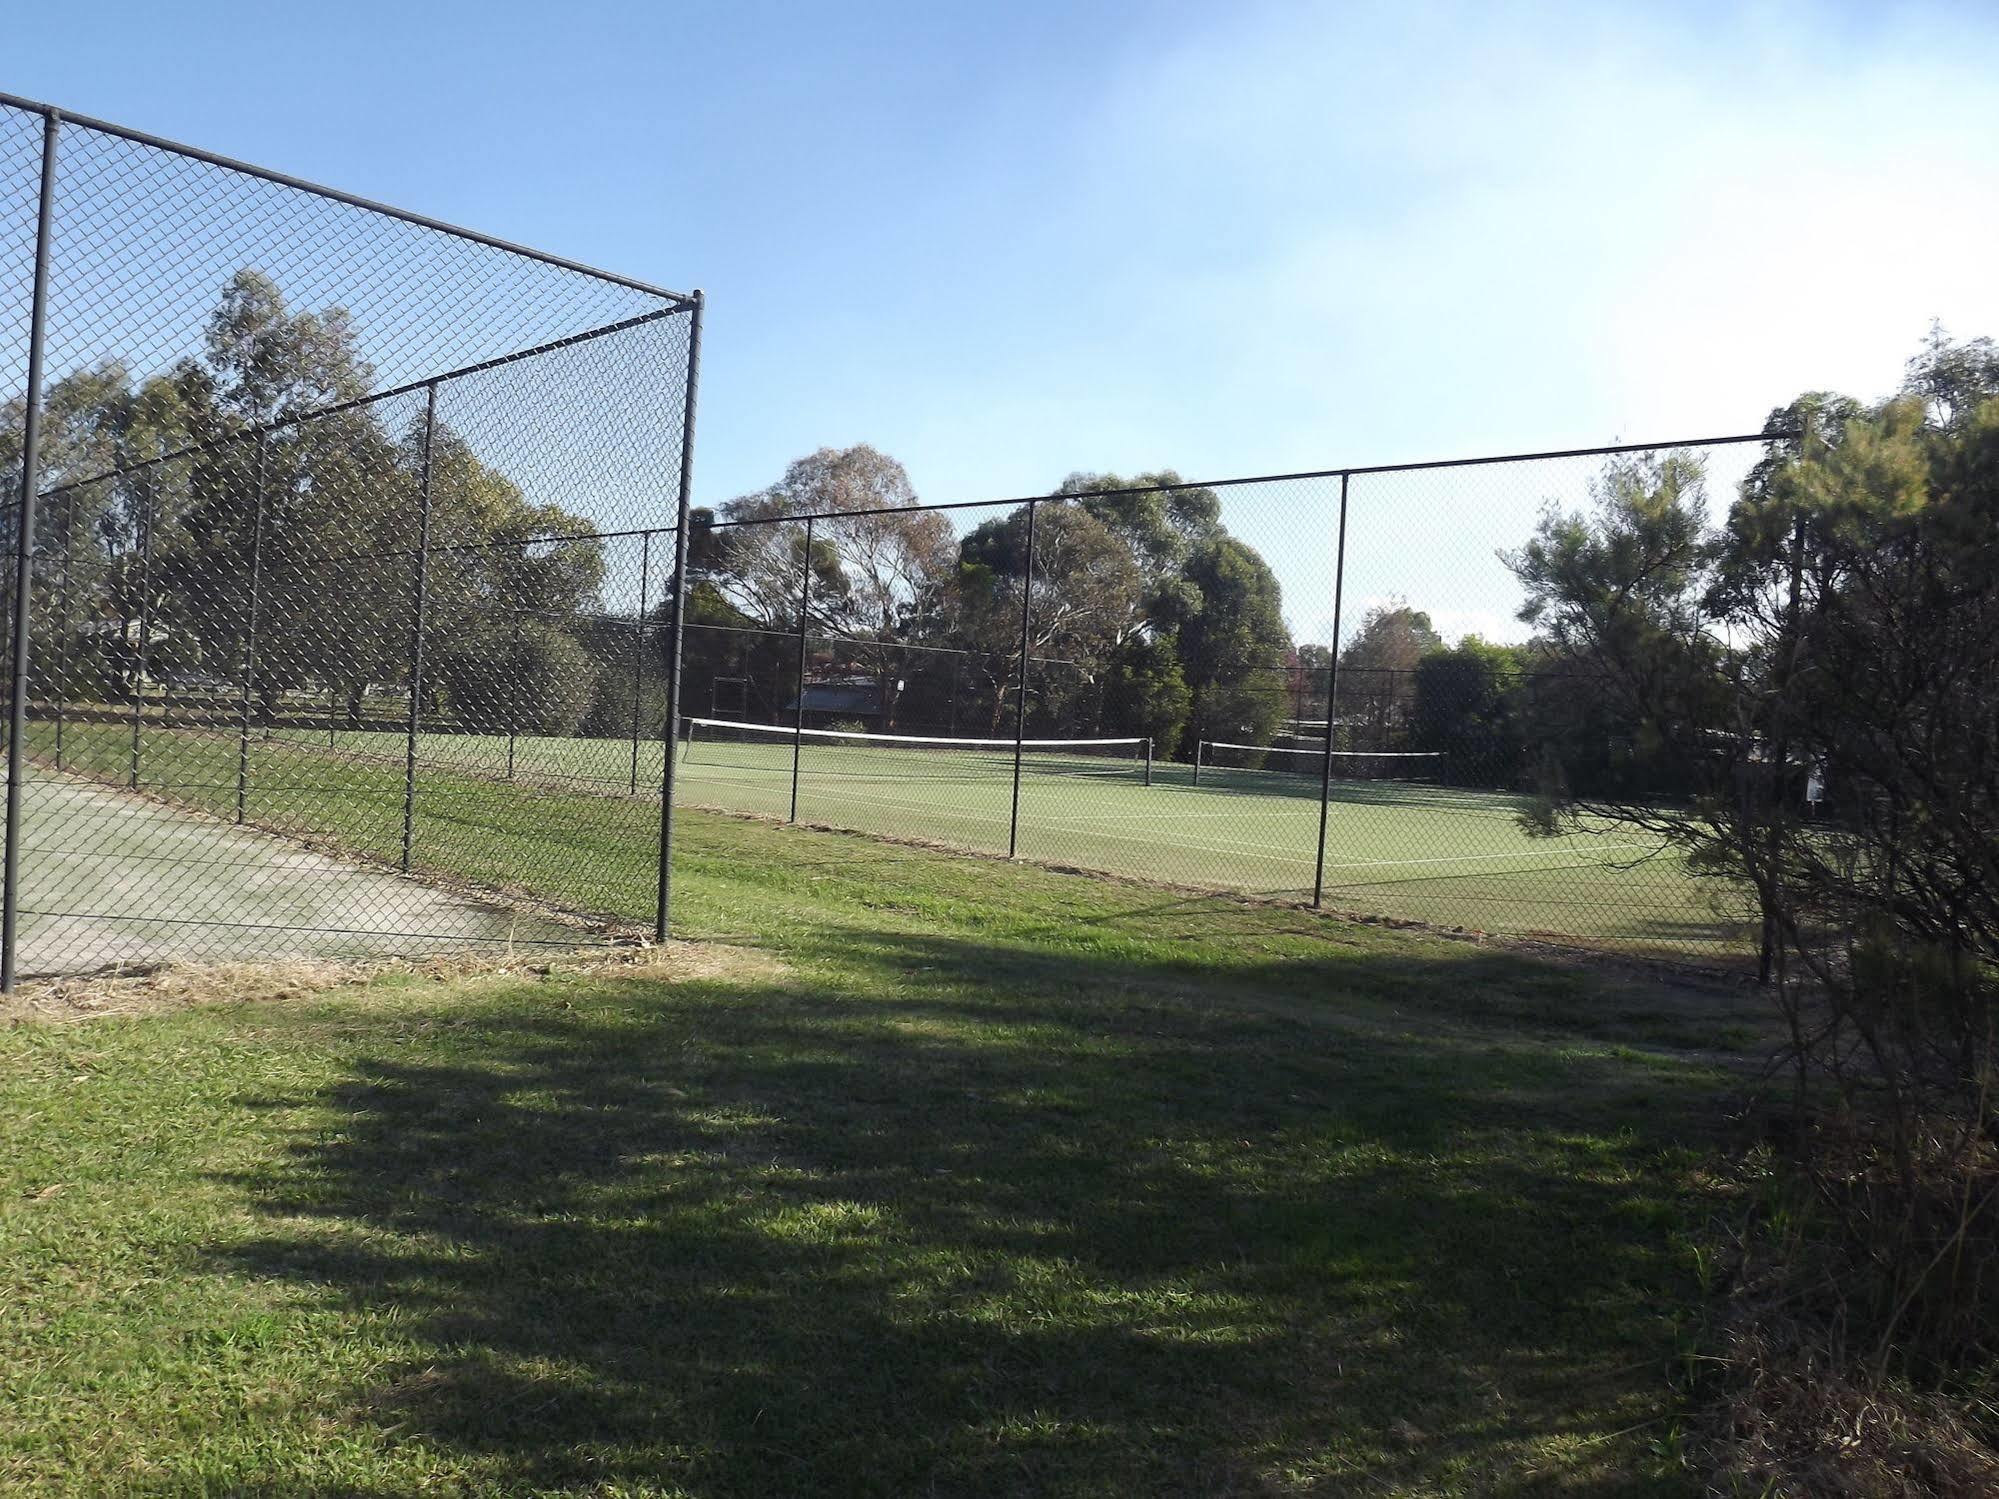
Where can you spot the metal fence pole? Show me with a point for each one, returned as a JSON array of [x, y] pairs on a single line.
[[145, 631], [416, 628], [514, 688], [1332, 697], [1020, 702], [250, 645], [65, 626], [798, 702], [673, 674], [638, 653], [24, 557]]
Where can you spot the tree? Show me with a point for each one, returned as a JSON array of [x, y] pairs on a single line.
[[1377, 676], [877, 557], [528, 676], [1464, 709], [1159, 521], [1230, 628], [1146, 693], [1084, 593], [1951, 380], [318, 513], [874, 558], [1841, 630], [1310, 680]]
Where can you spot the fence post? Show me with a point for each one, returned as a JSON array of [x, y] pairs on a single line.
[[250, 645], [145, 632], [1332, 698], [1020, 702], [798, 702], [416, 628], [663, 909], [638, 658], [1766, 951], [65, 629], [514, 687], [24, 556]]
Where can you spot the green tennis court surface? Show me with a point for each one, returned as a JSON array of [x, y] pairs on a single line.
[[111, 879], [1441, 855]]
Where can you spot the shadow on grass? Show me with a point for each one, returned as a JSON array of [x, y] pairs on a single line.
[[982, 1222]]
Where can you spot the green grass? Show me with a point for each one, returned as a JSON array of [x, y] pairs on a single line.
[[958, 1177], [1443, 856]]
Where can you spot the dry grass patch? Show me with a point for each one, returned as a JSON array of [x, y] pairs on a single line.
[[182, 986]]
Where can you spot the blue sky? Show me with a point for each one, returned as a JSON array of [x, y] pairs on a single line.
[[1007, 242]]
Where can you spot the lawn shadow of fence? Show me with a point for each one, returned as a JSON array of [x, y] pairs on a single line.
[[998, 1222]]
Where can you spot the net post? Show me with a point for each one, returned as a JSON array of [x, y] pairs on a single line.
[[1020, 701], [24, 554], [1332, 694], [638, 662], [1198, 744], [662, 910], [514, 685], [798, 703], [417, 625], [250, 641], [1148, 761]]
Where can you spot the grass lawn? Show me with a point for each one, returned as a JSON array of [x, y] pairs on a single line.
[[919, 1175]]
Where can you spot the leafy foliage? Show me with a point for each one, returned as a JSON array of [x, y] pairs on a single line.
[[1839, 632], [153, 571]]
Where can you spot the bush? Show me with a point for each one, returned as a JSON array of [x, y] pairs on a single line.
[[538, 681]]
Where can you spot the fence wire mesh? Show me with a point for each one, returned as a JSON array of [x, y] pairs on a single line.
[[353, 599], [348, 571], [1316, 687]]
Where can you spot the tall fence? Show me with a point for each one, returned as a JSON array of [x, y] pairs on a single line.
[[321, 516], [356, 606], [1318, 687]]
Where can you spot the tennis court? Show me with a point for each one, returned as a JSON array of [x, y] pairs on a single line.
[[1396, 847]]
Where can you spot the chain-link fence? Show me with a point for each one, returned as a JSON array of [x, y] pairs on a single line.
[[357, 608], [342, 546], [1317, 687]]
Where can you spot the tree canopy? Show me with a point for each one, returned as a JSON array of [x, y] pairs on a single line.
[[317, 506]]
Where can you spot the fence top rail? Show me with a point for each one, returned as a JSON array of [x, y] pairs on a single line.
[[1607, 451], [352, 200]]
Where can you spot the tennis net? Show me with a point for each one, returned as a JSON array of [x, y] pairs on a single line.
[[1424, 767], [903, 757]]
